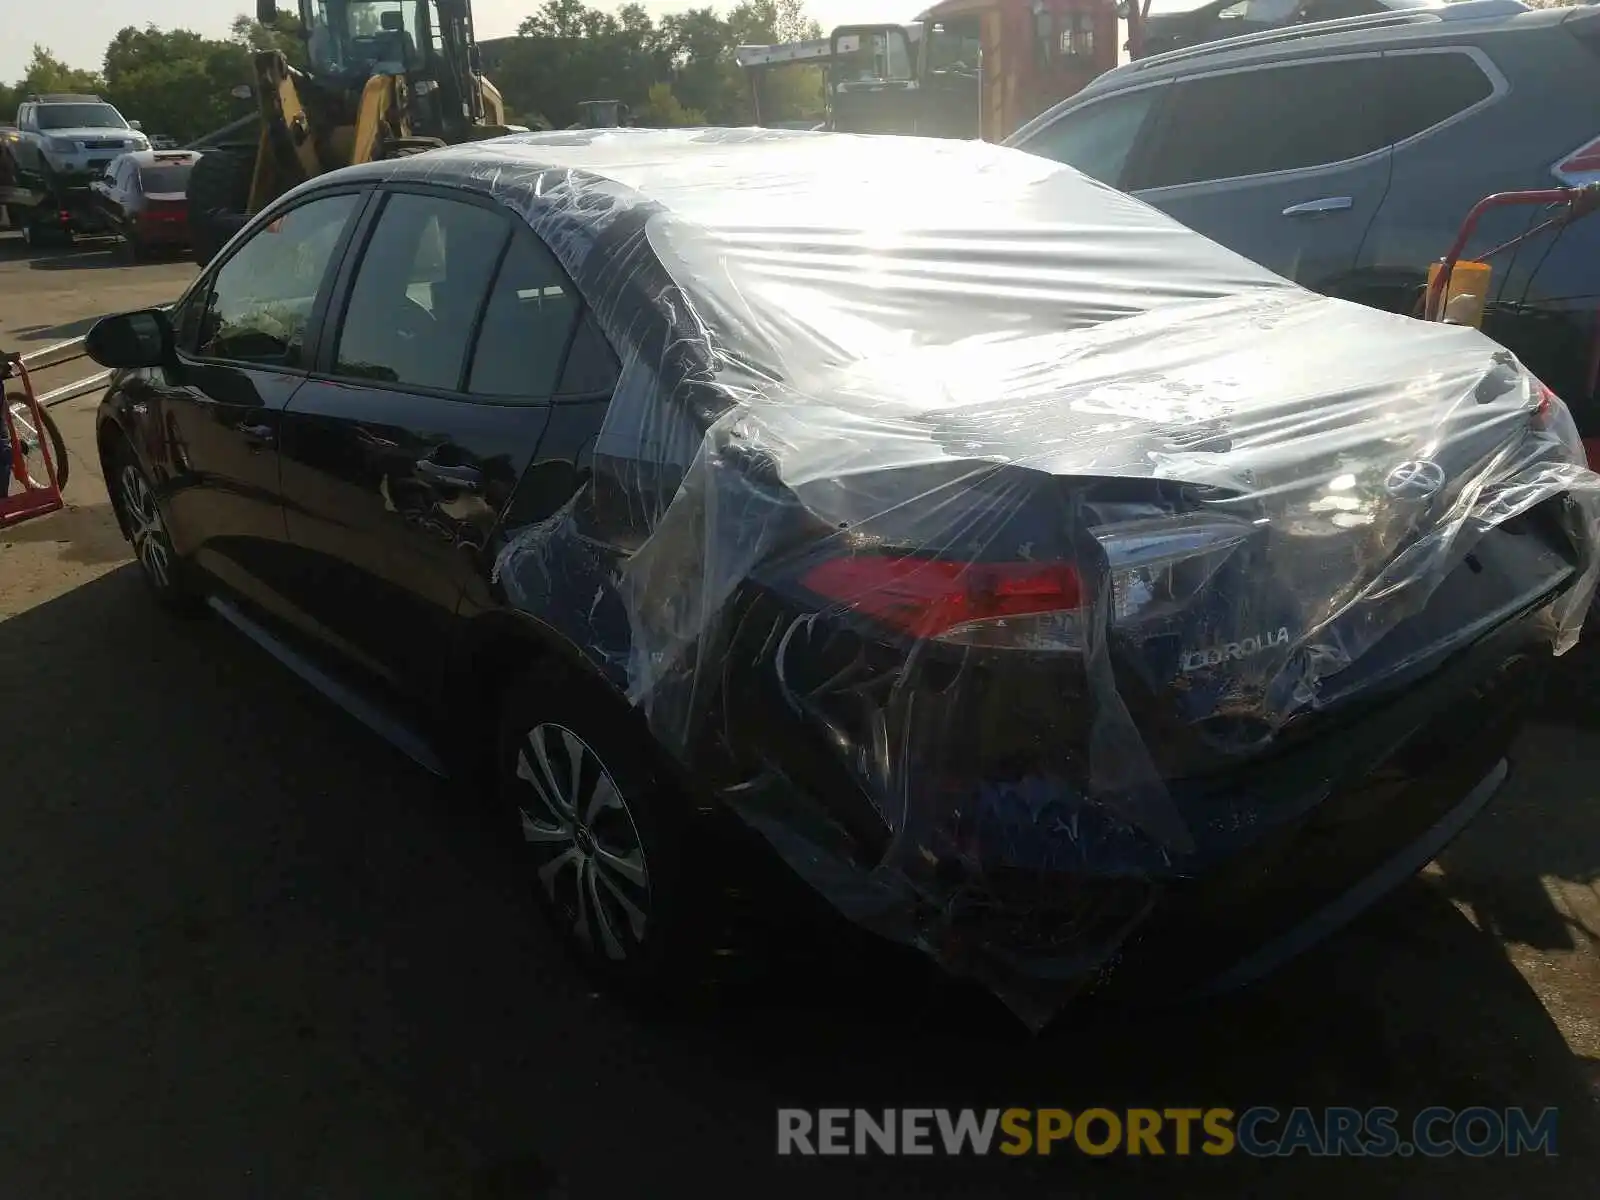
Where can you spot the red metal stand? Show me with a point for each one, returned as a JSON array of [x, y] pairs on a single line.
[[33, 500]]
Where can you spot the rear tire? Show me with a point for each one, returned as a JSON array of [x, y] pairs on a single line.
[[218, 195], [604, 836]]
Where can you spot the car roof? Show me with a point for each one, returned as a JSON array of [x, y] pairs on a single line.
[[1464, 18], [766, 233]]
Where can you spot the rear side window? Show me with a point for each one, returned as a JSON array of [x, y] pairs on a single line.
[[1276, 119], [1098, 138], [417, 295], [1426, 89], [525, 327]]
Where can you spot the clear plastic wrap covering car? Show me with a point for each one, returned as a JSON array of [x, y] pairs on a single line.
[[1194, 496]]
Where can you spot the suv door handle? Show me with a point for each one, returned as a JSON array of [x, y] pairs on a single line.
[[256, 435], [1313, 208], [461, 479]]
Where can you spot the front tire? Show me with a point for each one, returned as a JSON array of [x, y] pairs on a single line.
[[603, 837], [165, 573]]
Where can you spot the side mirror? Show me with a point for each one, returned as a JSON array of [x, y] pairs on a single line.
[[136, 125], [267, 11], [130, 340]]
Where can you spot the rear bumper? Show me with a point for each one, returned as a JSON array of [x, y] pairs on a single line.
[[1045, 896], [1374, 887]]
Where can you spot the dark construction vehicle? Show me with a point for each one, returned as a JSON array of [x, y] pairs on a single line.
[[384, 78], [963, 69]]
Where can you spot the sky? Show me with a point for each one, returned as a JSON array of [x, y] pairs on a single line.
[[77, 30]]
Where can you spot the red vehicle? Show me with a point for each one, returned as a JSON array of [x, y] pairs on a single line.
[[143, 198]]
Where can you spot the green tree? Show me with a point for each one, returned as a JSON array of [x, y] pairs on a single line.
[[286, 35], [175, 81], [662, 109], [47, 73]]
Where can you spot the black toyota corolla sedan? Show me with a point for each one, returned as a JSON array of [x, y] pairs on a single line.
[[1046, 586]]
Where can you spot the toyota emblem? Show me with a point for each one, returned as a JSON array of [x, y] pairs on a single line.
[[1418, 480]]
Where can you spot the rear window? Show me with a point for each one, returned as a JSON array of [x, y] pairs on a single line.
[[165, 179], [1427, 89], [79, 116]]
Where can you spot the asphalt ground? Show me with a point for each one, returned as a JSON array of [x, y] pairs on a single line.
[[246, 950]]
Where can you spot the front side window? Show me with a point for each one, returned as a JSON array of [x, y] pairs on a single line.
[[417, 295], [1097, 138], [80, 116], [1262, 121], [261, 299]]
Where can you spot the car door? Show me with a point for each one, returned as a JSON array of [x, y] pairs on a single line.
[[26, 144], [243, 343], [111, 194], [429, 403], [101, 197], [1287, 164]]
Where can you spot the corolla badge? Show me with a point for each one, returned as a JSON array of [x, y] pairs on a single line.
[[1420, 479], [1215, 656]]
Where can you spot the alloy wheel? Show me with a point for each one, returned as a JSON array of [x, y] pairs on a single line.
[[150, 544], [590, 858]]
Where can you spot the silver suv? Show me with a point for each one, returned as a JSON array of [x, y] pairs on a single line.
[[71, 139], [1345, 155]]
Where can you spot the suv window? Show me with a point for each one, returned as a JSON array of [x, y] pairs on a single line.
[[261, 299], [1426, 89], [1097, 138], [419, 289], [1273, 119], [526, 326]]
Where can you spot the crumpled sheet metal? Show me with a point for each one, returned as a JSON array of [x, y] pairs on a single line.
[[797, 313]]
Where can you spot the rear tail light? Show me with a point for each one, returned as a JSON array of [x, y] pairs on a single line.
[[1581, 166], [1018, 605], [1158, 568]]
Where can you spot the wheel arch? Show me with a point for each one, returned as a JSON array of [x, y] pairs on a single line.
[[108, 435], [497, 648]]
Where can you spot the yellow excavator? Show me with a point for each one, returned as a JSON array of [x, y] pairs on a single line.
[[383, 78]]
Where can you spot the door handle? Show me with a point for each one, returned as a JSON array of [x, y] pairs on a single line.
[[257, 435], [461, 479], [1315, 208]]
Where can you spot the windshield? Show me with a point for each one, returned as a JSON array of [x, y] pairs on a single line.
[[955, 47], [164, 179], [79, 116], [871, 57], [361, 35]]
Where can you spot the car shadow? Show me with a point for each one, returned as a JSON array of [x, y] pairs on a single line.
[[54, 333], [241, 922], [84, 255]]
